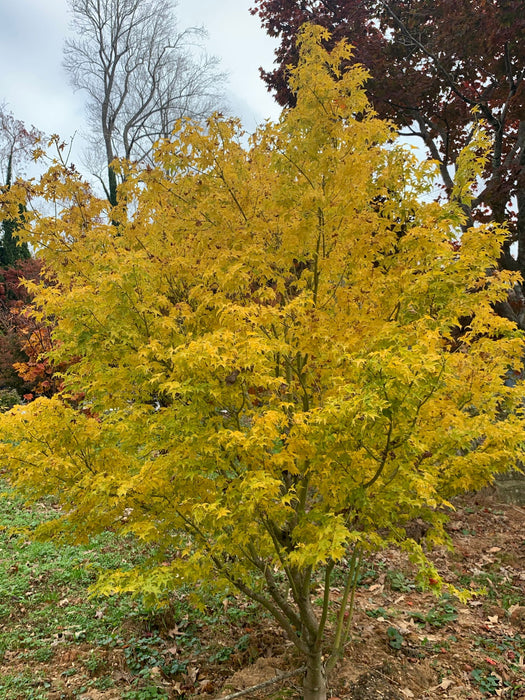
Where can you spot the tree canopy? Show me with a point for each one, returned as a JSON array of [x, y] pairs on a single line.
[[278, 355], [17, 143], [437, 67]]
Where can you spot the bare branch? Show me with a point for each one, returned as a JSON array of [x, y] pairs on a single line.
[[449, 79], [140, 74]]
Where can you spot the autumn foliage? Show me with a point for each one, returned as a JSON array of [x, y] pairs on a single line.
[[23, 340], [284, 357], [437, 67]]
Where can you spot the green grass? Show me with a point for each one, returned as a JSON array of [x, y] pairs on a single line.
[[58, 642], [46, 614]]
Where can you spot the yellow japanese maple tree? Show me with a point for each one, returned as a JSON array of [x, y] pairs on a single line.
[[285, 357]]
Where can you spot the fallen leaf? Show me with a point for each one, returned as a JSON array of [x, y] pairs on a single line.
[[428, 637], [193, 673], [206, 685]]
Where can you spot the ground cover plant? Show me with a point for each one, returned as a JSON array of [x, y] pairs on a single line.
[[58, 643], [48, 618], [280, 359]]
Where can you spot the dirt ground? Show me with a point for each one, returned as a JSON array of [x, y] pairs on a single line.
[[470, 651], [405, 643]]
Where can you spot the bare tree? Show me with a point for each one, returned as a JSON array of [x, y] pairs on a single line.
[[16, 144], [140, 74]]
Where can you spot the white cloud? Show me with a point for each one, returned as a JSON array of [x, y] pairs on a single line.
[[35, 86], [238, 39]]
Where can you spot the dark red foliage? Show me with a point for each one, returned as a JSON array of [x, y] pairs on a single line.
[[22, 339], [431, 63]]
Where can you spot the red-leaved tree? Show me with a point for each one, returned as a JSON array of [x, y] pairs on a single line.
[[24, 339], [19, 348]]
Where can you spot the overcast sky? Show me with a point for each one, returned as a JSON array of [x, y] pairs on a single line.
[[35, 88]]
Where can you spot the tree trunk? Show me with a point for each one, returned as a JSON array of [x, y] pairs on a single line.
[[112, 189], [520, 199], [314, 687]]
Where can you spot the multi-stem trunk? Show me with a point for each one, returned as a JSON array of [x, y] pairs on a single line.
[[312, 631], [314, 687]]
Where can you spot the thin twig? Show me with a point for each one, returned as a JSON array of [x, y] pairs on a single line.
[[518, 509], [272, 681]]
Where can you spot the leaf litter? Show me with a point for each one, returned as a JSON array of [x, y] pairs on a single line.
[[406, 643]]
